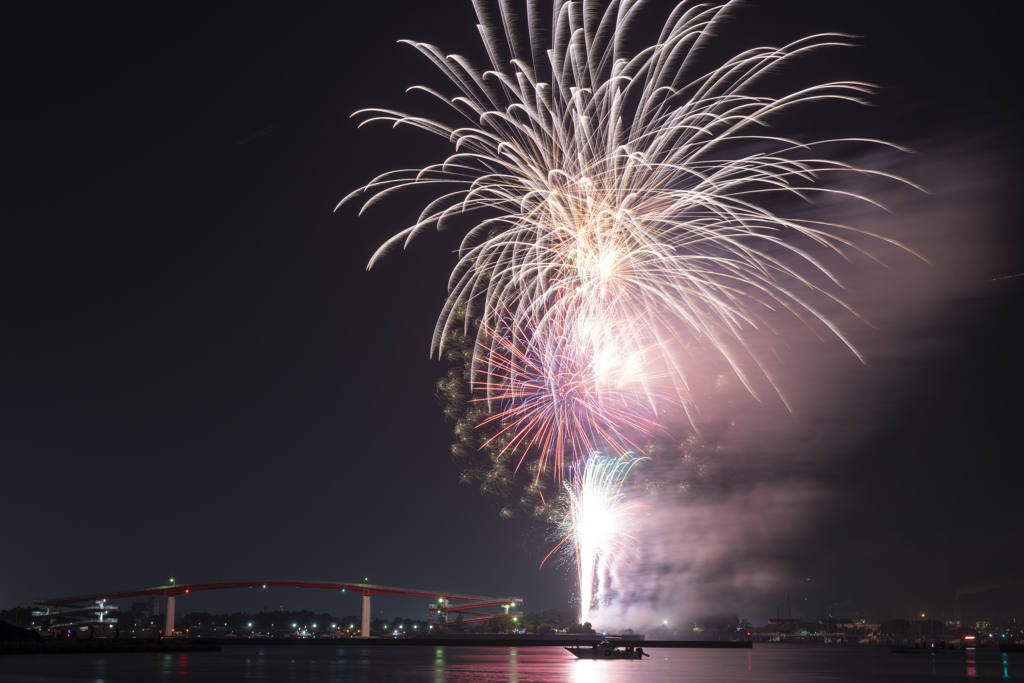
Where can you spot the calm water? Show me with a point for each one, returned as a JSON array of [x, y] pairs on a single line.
[[789, 663]]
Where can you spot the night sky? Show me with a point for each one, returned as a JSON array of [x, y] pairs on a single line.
[[200, 380]]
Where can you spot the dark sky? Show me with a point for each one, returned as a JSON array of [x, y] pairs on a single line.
[[200, 380]]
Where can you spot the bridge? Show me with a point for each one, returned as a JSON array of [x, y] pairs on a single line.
[[85, 610]]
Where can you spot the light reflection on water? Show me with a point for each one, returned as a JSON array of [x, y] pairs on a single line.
[[330, 664]]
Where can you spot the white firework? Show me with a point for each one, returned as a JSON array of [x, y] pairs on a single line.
[[622, 190]]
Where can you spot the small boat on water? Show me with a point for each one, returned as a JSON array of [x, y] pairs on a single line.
[[608, 650]]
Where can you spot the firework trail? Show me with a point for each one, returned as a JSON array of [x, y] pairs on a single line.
[[597, 518]]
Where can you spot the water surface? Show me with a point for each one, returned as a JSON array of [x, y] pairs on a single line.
[[329, 663]]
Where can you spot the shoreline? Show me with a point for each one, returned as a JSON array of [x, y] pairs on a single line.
[[104, 645]]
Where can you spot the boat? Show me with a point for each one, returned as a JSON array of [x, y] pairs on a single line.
[[607, 650]]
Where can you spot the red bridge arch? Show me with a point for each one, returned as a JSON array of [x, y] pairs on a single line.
[[91, 609]]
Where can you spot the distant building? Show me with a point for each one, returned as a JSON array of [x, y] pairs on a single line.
[[841, 623]]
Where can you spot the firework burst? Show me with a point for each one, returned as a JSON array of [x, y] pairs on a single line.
[[620, 194], [564, 391]]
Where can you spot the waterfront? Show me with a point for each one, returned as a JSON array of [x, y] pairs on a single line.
[[765, 662]]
